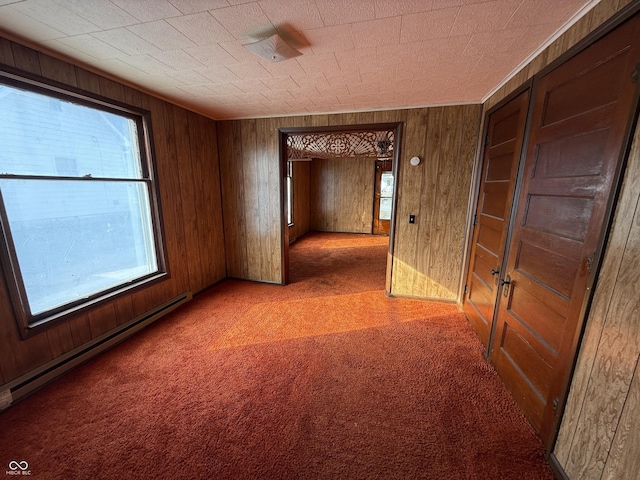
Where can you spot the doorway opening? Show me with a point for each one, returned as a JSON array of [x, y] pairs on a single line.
[[338, 179]]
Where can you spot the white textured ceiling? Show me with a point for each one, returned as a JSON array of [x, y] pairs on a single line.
[[357, 54]]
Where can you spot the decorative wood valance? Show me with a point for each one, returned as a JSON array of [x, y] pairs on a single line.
[[341, 145]]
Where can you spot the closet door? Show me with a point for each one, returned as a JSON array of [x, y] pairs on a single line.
[[503, 144], [580, 115]]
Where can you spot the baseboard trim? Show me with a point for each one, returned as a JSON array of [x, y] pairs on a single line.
[[452, 301], [39, 377], [557, 469]]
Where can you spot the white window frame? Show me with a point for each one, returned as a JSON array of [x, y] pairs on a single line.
[[289, 193]]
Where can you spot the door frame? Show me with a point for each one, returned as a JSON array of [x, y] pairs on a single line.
[[283, 134], [477, 182], [476, 178]]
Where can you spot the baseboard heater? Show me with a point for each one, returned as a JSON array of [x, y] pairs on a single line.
[[39, 377]]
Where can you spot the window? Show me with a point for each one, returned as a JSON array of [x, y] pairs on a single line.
[[290, 193], [77, 210]]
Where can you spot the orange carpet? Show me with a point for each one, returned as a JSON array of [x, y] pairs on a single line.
[[325, 378]]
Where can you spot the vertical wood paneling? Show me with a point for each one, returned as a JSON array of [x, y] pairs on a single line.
[[206, 174], [323, 195], [363, 118], [427, 213], [428, 254], [319, 120], [410, 185], [123, 309], [264, 173], [80, 331], [88, 81], [172, 199], [444, 195], [18, 356], [342, 192], [468, 144], [301, 199], [26, 59], [187, 170], [252, 197], [6, 54], [232, 185], [111, 89], [132, 97], [208, 205], [602, 12], [102, 319], [448, 168], [57, 70], [163, 136], [213, 199], [620, 464], [187, 188], [269, 202], [60, 339]]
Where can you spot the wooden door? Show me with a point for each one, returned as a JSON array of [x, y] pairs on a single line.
[[578, 130], [383, 198], [503, 145]]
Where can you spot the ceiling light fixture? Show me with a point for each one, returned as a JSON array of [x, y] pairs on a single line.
[[273, 48]]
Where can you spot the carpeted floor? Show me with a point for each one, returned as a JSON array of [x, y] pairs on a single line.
[[325, 378]]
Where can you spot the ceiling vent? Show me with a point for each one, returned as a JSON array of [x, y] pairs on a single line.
[[273, 48]]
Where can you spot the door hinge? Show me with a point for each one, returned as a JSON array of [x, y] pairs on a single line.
[[475, 220], [556, 403], [466, 287], [635, 75], [486, 140]]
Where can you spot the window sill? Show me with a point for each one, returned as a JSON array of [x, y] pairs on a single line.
[[40, 325]]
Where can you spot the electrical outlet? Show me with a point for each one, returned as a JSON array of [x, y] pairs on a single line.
[[5, 399]]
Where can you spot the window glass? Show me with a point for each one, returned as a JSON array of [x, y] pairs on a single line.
[[76, 201], [42, 135]]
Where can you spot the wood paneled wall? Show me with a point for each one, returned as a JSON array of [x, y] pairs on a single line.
[[599, 436], [187, 169], [428, 255], [342, 194], [301, 199]]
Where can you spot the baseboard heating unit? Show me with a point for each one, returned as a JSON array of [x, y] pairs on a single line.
[[37, 378]]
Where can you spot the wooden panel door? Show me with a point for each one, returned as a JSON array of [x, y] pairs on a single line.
[[503, 145], [580, 115]]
